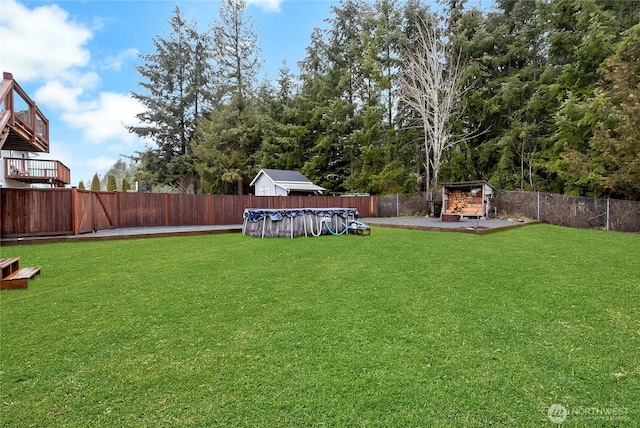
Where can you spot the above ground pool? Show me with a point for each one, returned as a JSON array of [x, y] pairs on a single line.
[[290, 223]]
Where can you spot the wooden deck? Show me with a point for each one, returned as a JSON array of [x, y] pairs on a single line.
[[24, 128]]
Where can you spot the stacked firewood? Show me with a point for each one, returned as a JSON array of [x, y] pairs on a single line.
[[461, 203], [457, 201]]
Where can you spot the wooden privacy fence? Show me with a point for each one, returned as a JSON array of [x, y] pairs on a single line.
[[45, 212]]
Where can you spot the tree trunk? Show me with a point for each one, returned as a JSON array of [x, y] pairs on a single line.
[[240, 189]]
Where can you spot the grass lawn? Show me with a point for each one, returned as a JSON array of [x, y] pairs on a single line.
[[401, 328]]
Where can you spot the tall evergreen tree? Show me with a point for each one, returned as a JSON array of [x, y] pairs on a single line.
[[236, 53], [283, 136], [581, 39], [342, 117], [611, 163], [341, 84], [389, 41], [349, 100], [520, 106], [616, 140], [177, 88], [229, 135], [385, 159]]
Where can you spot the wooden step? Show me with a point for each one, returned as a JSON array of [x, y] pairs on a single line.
[[9, 267], [19, 279], [7, 262]]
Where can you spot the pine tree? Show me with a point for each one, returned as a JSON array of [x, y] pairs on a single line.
[[81, 185], [282, 144], [95, 183], [384, 160], [616, 140], [236, 53], [519, 106], [611, 164], [229, 136], [334, 88], [581, 39], [177, 84]]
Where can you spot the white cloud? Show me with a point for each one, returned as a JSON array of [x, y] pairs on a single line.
[[54, 94], [40, 43], [115, 62], [101, 163], [267, 5], [105, 118]]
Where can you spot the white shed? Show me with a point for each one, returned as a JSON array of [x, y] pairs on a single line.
[[278, 182]]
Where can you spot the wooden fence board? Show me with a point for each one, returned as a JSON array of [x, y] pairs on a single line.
[[84, 211], [42, 212], [35, 212], [105, 205]]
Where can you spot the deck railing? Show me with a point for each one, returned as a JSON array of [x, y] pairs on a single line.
[[37, 171], [23, 116]]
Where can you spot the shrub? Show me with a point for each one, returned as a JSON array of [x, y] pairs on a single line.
[[111, 183], [95, 183], [125, 185]]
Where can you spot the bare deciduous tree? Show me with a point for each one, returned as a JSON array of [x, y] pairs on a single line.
[[432, 84]]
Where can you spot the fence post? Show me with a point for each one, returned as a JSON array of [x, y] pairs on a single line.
[[538, 208], [116, 214], [166, 209], [74, 210], [397, 205], [607, 228], [374, 205]]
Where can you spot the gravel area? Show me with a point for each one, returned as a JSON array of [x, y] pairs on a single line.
[[433, 223]]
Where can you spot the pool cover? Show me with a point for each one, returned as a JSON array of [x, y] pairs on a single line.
[[256, 214], [292, 222]]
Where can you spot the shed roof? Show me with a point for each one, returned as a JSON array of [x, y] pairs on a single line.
[[289, 180], [285, 175], [467, 184]]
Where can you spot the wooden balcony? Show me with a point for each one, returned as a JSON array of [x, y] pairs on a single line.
[[23, 127], [41, 171]]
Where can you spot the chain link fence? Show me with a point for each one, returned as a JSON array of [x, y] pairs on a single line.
[[572, 211], [406, 205]]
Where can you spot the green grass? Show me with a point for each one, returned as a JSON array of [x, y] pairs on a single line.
[[402, 328]]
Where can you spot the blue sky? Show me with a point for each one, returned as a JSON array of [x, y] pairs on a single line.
[[77, 58]]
